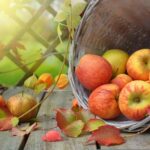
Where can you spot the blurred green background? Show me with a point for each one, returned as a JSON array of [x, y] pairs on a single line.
[[45, 26]]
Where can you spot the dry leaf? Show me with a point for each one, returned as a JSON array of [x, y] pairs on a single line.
[[107, 135]]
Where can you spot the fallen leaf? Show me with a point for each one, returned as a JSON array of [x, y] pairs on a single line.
[[64, 117], [5, 119], [16, 131], [93, 124], [74, 129], [52, 136], [107, 135], [83, 115]]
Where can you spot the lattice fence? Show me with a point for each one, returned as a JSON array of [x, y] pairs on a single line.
[[26, 27]]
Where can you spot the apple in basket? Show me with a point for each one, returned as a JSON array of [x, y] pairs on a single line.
[[93, 71], [118, 59], [121, 80], [134, 99], [103, 101], [138, 65]]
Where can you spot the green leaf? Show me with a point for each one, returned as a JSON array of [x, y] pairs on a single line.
[[74, 129], [83, 115], [40, 87], [59, 32], [2, 114], [31, 82], [61, 16], [14, 121], [78, 8], [93, 124]]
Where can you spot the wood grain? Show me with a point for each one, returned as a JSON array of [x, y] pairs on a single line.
[[46, 116], [8, 142]]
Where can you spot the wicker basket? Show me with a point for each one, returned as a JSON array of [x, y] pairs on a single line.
[[108, 24]]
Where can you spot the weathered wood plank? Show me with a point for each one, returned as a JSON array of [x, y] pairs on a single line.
[[136, 142], [8, 142], [46, 115]]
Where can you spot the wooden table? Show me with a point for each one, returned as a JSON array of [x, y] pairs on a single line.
[[46, 117]]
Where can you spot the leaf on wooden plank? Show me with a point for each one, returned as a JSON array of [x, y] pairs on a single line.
[[107, 135], [16, 131], [14, 121], [83, 115], [93, 124], [52, 136], [30, 82], [64, 117], [74, 129]]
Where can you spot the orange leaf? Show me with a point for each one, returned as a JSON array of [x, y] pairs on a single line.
[[107, 135], [62, 81]]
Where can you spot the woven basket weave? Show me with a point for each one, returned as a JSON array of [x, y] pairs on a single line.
[[108, 24]]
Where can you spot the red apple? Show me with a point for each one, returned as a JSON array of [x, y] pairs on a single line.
[[138, 65], [103, 101], [121, 80], [93, 71], [134, 99]]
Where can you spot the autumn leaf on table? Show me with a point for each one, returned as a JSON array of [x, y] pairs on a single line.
[[7, 120], [74, 129], [16, 131], [93, 124], [64, 117], [107, 135], [52, 136]]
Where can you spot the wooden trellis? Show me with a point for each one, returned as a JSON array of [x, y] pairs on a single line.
[[27, 27]]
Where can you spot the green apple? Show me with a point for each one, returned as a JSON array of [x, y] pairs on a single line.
[[118, 59]]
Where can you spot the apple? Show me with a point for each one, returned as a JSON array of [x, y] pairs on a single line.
[[121, 80], [138, 65], [20, 103], [134, 99], [118, 59], [103, 101], [93, 71]]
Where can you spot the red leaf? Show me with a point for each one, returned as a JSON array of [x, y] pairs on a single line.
[[6, 117], [74, 129], [2, 101], [19, 132], [107, 135], [52, 136], [93, 124], [64, 117]]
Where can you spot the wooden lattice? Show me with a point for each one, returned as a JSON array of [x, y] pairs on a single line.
[[27, 28]]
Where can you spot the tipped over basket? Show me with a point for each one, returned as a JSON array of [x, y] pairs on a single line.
[[108, 24]]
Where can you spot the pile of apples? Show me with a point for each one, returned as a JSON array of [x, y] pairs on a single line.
[[119, 83]]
